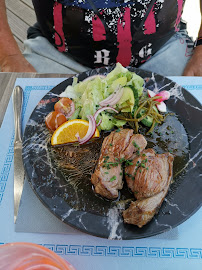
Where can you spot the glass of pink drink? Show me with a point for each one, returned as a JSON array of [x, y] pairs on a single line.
[[28, 256]]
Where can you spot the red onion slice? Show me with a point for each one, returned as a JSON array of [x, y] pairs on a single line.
[[108, 99], [90, 132], [93, 77], [113, 98], [92, 125], [103, 109], [99, 122]]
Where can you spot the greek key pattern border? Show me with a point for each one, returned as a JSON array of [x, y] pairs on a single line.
[[10, 153], [192, 87], [126, 251]]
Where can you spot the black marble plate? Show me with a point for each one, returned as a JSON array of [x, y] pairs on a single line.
[[60, 176]]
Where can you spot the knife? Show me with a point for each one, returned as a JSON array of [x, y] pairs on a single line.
[[18, 163]]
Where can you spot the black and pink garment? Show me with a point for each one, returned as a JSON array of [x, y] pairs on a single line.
[[102, 32]]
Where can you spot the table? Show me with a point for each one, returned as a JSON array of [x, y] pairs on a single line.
[[181, 248]]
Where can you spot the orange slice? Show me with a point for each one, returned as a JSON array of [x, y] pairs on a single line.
[[66, 133]]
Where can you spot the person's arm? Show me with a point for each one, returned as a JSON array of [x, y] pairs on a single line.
[[11, 59], [194, 66]]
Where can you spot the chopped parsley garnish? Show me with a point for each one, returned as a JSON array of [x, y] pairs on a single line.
[[105, 159], [136, 145], [108, 164], [129, 162], [127, 174], [144, 161], [113, 178]]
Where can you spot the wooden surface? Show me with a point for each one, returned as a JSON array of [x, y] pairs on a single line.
[[7, 81], [20, 15]]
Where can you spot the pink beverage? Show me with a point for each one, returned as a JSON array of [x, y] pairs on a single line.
[[28, 256]]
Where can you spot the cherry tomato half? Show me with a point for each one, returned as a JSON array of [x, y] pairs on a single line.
[[54, 120], [65, 106]]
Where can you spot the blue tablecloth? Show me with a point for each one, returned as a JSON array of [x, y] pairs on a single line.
[[180, 248]]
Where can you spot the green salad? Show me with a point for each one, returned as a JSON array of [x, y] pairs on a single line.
[[120, 86], [116, 99]]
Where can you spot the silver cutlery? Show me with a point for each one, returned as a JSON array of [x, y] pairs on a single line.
[[18, 163]]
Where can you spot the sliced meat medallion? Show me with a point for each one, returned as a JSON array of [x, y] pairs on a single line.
[[136, 145], [150, 186], [123, 144], [107, 180], [141, 212], [131, 170], [149, 173], [116, 148]]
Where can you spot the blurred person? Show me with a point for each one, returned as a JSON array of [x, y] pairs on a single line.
[[71, 36]]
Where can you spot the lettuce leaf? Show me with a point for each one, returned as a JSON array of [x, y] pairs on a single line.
[[88, 94]]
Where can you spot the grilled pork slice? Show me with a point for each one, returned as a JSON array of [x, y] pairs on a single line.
[[135, 146], [107, 178], [131, 170], [142, 211], [149, 173], [150, 185], [116, 148], [123, 144]]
